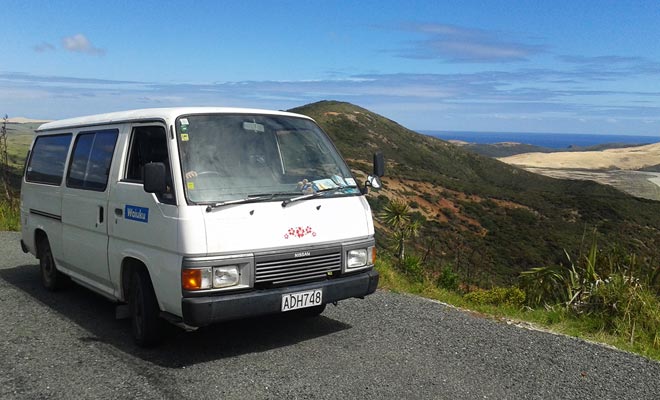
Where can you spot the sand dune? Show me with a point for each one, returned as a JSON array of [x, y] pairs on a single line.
[[630, 158], [23, 120]]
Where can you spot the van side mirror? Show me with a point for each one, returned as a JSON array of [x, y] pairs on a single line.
[[379, 170], [155, 180], [379, 164]]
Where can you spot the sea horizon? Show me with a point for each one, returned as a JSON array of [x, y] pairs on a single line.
[[549, 140]]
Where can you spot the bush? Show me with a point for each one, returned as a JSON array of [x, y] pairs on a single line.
[[377, 204], [412, 266], [602, 286], [628, 308], [544, 285], [448, 279], [497, 296]]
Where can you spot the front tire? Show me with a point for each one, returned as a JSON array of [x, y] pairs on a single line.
[[147, 326], [51, 278]]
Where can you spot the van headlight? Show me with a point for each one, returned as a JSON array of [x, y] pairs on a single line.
[[225, 276], [217, 273], [360, 258]]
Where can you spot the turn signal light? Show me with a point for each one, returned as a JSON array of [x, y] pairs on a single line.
[[196, 278], [191, 279]]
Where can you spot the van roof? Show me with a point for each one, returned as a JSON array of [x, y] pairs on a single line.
[[166, 114]]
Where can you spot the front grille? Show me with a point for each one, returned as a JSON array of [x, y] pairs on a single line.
[[275, 270]]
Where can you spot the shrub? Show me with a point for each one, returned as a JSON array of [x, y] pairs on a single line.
[[448, 279], [602, 286], [543, 285], [378, 203], [628, 308], [412, 266]]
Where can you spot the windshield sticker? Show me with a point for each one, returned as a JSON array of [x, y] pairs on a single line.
[[184, 125], [339, 180], [136, 213], [253, 126], [324, 184], [184, 137], [191, 185], [299, 232]]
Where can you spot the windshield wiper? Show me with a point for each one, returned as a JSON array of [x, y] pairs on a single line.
[[253, 198], [322, 192]]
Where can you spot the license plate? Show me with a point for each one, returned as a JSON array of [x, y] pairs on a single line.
[[294, 301]]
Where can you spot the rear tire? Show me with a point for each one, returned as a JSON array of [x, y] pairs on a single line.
[[147, 326], [51, 278]]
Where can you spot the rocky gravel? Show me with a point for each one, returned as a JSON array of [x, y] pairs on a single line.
[[388, 346]]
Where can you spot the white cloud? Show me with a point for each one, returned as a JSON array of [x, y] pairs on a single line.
[[467, 45], [43, 47], [80, 44]]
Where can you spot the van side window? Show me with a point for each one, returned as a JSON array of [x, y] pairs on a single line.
[[90, 162], [47, 159], [149, 144]]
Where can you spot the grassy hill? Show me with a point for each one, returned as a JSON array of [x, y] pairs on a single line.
[[19, 137], [487, 219]]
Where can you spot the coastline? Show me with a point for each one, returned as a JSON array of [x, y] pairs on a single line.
[[548, 139], [655, 179]]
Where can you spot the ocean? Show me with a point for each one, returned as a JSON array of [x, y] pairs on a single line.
[[551, 140]]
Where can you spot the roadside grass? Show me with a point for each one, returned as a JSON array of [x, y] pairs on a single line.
[[554, 319], [10, 218]]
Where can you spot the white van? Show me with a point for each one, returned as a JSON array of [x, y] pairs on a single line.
[[198, 215]]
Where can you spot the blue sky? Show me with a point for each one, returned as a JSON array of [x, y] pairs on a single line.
[[513, 66]]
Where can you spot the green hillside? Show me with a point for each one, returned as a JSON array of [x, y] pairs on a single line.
[[19, 137], [488, 219]]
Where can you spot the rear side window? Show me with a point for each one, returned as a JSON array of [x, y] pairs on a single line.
[[48, 158], [91, 159]]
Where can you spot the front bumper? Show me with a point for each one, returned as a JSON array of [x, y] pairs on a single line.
[[202, 311]]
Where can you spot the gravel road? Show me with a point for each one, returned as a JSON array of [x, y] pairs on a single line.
[[388, 346]]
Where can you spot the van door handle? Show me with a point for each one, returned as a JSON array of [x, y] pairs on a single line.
[[101, 214], [119, 212]]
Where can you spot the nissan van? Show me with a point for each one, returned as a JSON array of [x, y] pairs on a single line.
[[198, 215]]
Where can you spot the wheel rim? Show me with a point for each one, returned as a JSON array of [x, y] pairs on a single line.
[[46, 267]]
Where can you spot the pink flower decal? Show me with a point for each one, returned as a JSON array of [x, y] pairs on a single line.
[[299, 232]]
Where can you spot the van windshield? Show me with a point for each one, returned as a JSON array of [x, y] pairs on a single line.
[[232, 157]]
